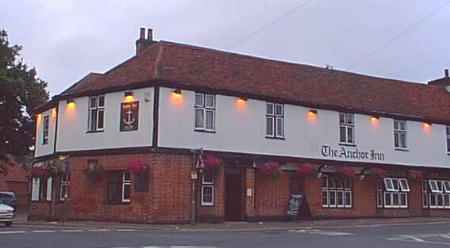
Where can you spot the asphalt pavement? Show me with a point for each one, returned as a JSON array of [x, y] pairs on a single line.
[[368, 234]]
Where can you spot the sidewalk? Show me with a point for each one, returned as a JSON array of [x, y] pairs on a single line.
[[246, 226]]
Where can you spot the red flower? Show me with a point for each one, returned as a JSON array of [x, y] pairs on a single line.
[[346, 170], [305, 169], [211, 162], [270, 168], [136, 166]]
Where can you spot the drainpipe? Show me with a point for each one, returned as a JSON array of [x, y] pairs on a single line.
[[194, 176]]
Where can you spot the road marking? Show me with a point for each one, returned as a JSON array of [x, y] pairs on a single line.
[[43, 231], [99, 230], [72, 230], [320, 232], [125, 230], [11, 232]]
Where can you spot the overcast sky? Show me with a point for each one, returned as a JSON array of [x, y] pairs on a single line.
[[402, 39]]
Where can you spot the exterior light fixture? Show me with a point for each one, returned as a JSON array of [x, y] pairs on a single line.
[[128, 93], [129, 97], [375, 117], [177, 91], [243, 98], [70, 101], [312, 112], [427, 124]]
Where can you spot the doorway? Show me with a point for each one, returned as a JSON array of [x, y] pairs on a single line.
[[233, 194]]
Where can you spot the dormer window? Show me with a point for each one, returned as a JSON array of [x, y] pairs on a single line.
[[96, 111]]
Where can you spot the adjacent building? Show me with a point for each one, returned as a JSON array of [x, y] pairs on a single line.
[[179, 133]]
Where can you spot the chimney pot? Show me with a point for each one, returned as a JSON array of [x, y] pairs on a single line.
[[446, 73], [150, 34], [142, 34]]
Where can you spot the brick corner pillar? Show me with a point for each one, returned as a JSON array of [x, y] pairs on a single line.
[[249, 193]]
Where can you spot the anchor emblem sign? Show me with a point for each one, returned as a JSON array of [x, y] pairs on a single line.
[[129, 116]]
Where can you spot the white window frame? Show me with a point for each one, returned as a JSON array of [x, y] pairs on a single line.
[[330, 190], [35, 188], [447, 130], [437, 193], [347, 123], [64, 187], [125, 183], [49, 188], [98, 108], [205, 107], [275, 115], [400, 130], [207, 184], [394, 189], [45, 129]]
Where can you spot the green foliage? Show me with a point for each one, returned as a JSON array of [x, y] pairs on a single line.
[[20, 92]]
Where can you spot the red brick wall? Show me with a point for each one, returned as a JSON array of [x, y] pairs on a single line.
[[271, 195], [168, 199]]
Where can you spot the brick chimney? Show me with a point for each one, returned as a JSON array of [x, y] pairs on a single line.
[[442, 82], [144, 41]]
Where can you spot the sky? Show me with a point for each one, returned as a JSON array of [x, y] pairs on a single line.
[[401, 39]]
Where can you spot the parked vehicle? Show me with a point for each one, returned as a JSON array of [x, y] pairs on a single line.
[[8, 198], [7, 214]]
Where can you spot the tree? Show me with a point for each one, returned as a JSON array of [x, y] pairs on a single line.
[[20, 92]]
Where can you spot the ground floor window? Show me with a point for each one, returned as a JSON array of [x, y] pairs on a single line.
[[41, 188], [436, 194], [207, 190], [392, 193], [64, 187], [119, 187], [336, 191]]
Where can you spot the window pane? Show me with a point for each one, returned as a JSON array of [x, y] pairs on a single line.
[[279, 109], [403, 200], [324, 182], [395, 124], [101, 101], [387, 198], [93, 119], [395, 199], [210, 120], [332, 198], [199, 118], [342, 134], [49, 188], [208, 178], [350, 135], [269, 109], [269, 126], [93, 102], [340, 198], [404, 185], [324, 198], [100, 119], [199, 97], [348, 199], [341, 118], [395, 185], [210, 101], [207, 194], [402, 125], [349, 119], [396, 140], [35, 188], [126, 176], [126, 192], [280, 127], [388, 184], [403, 139]]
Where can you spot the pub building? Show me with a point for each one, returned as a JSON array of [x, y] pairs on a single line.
[[180, 134]]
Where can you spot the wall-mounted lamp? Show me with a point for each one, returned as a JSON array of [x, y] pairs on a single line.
[[312, 112], [70, 101], [128, 93], [243, 98], [427, 124], [375, 117], [129, 97], [177, 91]]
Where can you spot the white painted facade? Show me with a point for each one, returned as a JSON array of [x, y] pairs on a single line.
[[73, 132], [241, 128], [40, 148]]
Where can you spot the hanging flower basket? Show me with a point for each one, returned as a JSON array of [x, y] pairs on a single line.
[[137, 167], [346, 171], [271, 169], [94, 172], [305, 169], [211, 162], [415, 174]]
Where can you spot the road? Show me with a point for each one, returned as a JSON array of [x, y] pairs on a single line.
[[431, 234]]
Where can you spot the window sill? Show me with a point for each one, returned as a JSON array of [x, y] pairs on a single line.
[[401, 149], [96, 131], [206, 205], [347, 144], [275, 138], [204, 131]]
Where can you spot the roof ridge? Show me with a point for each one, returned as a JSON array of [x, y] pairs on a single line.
[[316, 67]]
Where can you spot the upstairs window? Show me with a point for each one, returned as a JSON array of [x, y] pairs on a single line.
[[205, 112], [400, 132], [347, 128], [96, 113], [45, 126], [274, 120], [448, 139]]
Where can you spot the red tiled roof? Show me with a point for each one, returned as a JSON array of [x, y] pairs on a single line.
[[198, 67]]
